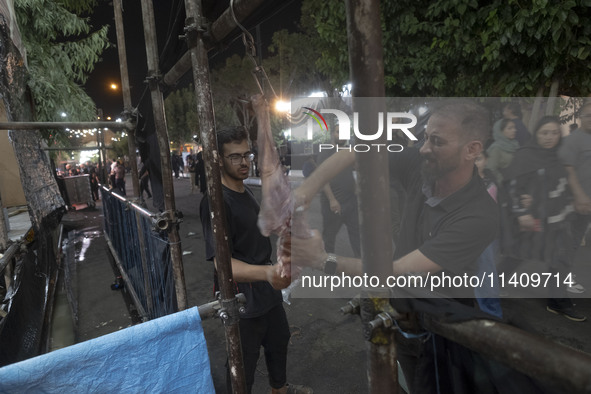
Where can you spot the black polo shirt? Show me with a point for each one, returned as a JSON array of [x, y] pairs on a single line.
[[246, 244], [452, 232]]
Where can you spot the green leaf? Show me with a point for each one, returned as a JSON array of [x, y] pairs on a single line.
[[583, 53], [573, 18], [548, 70], [556, 35]]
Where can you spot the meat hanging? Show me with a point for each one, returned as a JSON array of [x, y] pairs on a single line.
[[277, 215]]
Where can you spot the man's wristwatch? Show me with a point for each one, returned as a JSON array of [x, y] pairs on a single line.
[[330, 265]]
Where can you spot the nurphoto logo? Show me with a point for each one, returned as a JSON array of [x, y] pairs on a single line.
[[388, 122]]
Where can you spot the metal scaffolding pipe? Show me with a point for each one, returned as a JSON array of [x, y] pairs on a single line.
[[533, 355], [367, 77], [163, 142], [117, 7], [79, 148], [211, 156], [181, 67], [128, 283], [225, 23], [219, 30], [66, 125]]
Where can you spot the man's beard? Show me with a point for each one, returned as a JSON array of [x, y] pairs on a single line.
[[434, 171], [430, 173]]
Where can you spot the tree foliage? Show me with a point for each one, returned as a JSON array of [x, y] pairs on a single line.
[[467, 47], [290, 67], [62, 49], [181, 115]]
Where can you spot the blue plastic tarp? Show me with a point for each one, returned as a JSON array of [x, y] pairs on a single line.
[[168, 354]]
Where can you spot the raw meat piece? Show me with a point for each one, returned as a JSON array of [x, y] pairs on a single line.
[[277, 207]]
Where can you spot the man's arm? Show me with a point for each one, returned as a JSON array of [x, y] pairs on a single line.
[[335, 207], [332, 166], [244, 272], [415, 261], [310, 252], [582, 200]]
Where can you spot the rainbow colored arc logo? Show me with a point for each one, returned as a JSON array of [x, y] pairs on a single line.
[[318, 115]]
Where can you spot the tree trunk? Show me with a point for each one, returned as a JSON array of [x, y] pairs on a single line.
[[39, 185], [533, 119], [3, 229], [552, 98]]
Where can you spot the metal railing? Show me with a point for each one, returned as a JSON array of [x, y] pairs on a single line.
[[141, 250]]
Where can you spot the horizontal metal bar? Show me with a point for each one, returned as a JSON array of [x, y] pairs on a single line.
[[80, 148], [66, 125], [531, 354], [220, 29], [211, 309], [8, 255], [128, 284], [138, 208]]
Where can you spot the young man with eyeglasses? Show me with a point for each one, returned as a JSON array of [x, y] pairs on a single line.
[[264, 322]]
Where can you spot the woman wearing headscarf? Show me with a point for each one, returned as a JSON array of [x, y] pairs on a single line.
[[501, 151], [539, 203]]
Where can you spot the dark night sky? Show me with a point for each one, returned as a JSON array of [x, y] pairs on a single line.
[[284, 16]]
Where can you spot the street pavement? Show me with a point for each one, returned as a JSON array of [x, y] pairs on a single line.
[[327, 348]]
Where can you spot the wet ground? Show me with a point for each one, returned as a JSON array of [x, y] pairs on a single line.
[[327, 349]]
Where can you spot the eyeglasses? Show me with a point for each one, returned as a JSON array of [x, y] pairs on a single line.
[[236, 158]]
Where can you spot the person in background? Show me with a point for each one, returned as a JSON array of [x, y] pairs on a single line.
[[540, 203], [574, 154], [200, 171], [144, 175], [120, 178], [175, 162], [501, 151], [339, 204], [512, 111], [487, 295], [191, 165], [94, 182]]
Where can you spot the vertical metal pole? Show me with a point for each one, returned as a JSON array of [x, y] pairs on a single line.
[[100, 160], [163, 143], [126, 92], [3, 229], [4, 240], [101, 143], [145, 268], [367, 78], [211, 155], [106, 169]]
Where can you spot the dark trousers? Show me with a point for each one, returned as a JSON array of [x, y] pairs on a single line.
[[579, 225], [271, 331], [145, 186], [332, 222], [120, 185]]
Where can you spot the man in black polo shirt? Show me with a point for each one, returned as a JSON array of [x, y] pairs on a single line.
[[449, 220], [449, 217], [264, 322]]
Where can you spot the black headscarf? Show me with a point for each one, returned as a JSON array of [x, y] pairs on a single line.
[[533, 157]]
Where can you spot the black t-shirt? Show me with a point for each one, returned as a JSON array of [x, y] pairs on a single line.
[[246, 243], [452, 232]]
